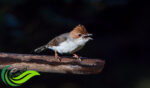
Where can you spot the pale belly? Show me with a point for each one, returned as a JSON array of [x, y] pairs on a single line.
[[67, 47]]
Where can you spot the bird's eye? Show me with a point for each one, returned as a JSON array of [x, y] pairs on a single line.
[[79, 34]]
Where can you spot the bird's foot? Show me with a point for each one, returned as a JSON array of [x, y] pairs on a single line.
[[77, 57], [58, 58]]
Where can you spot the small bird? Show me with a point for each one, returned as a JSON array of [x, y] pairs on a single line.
[[68, 43]]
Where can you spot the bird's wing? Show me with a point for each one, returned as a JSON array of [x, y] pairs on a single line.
[[59, 39]]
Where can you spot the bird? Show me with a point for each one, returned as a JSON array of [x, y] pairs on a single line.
[[68, 43]]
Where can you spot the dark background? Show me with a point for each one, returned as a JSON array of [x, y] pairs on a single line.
[[120, 28]]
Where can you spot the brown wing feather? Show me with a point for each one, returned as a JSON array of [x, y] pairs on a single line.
[[59, 39]]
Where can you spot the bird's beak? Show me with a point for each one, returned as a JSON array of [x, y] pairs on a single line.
[[88, 36]]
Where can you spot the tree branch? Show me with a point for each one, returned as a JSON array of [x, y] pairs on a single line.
[[45, 63]]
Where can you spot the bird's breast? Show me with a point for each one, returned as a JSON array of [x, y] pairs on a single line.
[[68, 47]]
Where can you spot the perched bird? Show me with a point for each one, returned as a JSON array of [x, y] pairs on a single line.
[[68, 43]]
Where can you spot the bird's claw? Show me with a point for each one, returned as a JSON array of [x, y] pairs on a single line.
[[77, 57], [58, 58]]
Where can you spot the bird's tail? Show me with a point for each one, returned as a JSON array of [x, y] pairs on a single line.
[[40, 49]]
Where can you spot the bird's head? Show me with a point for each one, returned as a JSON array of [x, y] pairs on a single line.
[[80, 32]]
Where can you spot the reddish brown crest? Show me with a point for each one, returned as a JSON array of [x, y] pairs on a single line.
[[78, 29]]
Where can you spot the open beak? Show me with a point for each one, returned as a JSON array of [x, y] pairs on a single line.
[[88, 36]]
